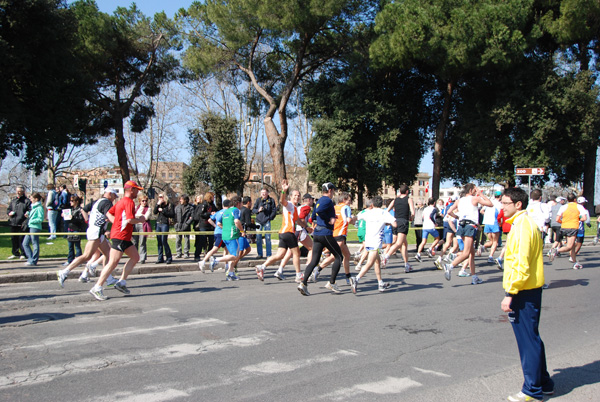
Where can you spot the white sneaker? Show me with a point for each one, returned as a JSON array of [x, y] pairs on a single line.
[[475, 280], [91, 270], [62, 277], [333, 287], [111, 281], [201, 266]]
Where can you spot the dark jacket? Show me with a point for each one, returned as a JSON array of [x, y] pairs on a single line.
[[246, 219], [183, 217], [269, 210], [164, 215], [19, 206], [202, 214], [76, 224]]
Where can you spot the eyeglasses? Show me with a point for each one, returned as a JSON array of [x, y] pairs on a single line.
[[144, 200], [507, 203]]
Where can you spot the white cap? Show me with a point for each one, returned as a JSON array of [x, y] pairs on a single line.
[[581, 200], [110, 190], [560, 199]]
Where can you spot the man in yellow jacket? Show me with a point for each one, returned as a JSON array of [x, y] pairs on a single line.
[[522, 282]]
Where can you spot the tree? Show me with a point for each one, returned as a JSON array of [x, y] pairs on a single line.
[[451, 39], [217, 157], [43, 86], [127, 55], [274, 45]]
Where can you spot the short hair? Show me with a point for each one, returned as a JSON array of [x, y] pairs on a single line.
[[185, 197], [571, 197], [208, 196], [368, 203], [343, 196], [403, 189], [266, 189], [36, 196], [431, 201], [517, 194], [64, 186], [50, 187], [236, 199], [377, 201], [226, 203], [246, 200], [467, 188], [536, 194]]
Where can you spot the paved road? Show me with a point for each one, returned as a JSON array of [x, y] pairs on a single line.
[[193, 336]]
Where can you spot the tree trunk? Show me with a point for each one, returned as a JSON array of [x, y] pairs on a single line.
[[589, 178], [120, 147], [440, 132], [276, 142]]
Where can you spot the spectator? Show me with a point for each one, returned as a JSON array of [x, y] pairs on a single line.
[[52, 207], [202, 211], [17, 209], [183, 223], [265, 210], [76, 224], [140, 240], [35, 218], [163, 211], [64, 202]]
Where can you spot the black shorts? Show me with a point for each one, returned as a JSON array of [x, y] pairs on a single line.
[[402, 226], [557, 234], [579, 239], [121, 245], [340, 239], [569, 232], [288, 240]]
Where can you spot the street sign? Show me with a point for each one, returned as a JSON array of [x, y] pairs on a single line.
[[76, 181], [530, 171]]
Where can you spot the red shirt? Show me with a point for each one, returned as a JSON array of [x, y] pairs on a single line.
[[122, 210], [503, 223]]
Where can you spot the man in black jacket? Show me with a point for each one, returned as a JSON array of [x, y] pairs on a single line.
[[16, 216], [265, 210], [163, 211], [183, 223]]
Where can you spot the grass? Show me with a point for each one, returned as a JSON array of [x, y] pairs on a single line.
[[60, 247]]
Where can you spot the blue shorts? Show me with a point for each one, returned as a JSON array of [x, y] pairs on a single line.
[[219, 240], [433, 232], [491, 228], [233, 246], [388, 237], [243, 243]]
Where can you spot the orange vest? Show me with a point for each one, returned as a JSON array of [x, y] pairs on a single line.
[[288, 219], [340, 227], [570, 218]]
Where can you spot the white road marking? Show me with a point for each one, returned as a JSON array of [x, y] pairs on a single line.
[[172, 352], [390, 385], [437, 373], [277, 367]]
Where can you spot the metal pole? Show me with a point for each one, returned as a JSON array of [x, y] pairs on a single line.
[[262, 160]]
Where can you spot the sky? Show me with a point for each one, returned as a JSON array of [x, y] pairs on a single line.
[[150, 7]]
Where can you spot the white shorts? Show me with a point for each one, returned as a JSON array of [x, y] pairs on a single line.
[[93, 233], [301, 235]]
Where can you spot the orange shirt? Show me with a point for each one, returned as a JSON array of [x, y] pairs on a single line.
[[570, 217], [289, 217], [342, 213]]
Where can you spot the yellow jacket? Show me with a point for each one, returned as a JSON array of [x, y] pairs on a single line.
[[523, 259]]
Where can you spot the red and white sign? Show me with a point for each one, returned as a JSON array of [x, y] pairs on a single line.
[[530, 171]]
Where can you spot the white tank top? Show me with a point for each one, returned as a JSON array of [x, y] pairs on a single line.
[[466, 209]]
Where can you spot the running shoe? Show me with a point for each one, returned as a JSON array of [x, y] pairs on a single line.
[[299, 278], [356, 257], [577, 266], [384, 260], [98, 294], [333, 287], [348, 281], [353, 285], [438, 263], [91, 269], [407, 268], [279, 275], [451, 257], [260, 272], [491, 259], [383, 286], [357, 268], [201, 266], [303, 289], [315, 275], [213, 264], [418, 257], [448, 271], [84, 279], [476, 280], [61, 278], [498, 262], [232, 277], [571, 259], [429, 254], [463, 273], [111, 282], [122, 288], [521, 397], [553, 253]]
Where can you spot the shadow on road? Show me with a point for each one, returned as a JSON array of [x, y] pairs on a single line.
[[570, 378], [565, 283], [36, 318]]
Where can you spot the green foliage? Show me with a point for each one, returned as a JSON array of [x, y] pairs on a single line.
[[42, 83], [217, 158]]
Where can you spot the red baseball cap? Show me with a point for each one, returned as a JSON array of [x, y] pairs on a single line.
[[132, 184]]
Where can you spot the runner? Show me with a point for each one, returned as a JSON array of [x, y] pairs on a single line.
[[569, 216], [97, 223], [323, 237], [404, 212], [581, 232], [467, 214], [361, 254], [234, 237], [122, 217], [451, 243], [375, 218], [218, 238], [287, 236], [429, 215], [491, 227]]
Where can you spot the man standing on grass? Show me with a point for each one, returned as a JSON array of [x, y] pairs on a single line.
[[522, 282], [123, 219]]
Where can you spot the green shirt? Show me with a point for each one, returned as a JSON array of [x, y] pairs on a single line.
[[230, 231], [361, 224]]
